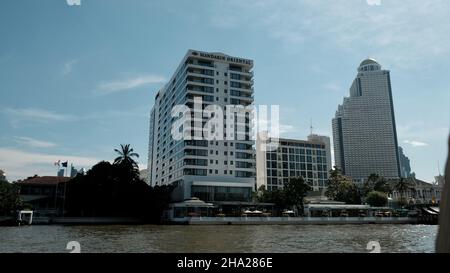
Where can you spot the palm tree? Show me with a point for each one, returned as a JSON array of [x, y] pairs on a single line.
[[126, 155], [402, 186], [125, 160]]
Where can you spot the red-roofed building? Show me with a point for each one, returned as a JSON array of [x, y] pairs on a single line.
[[44, 193]]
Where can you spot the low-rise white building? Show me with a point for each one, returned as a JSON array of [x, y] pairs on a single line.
[[419, 192], [310, 159]]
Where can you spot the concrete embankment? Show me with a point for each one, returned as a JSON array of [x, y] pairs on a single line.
[[293, 220], [86, 221]]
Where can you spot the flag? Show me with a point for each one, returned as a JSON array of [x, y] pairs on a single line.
[[57, 163], [64, 164]]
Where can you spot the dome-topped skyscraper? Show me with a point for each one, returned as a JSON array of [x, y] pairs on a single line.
[[369, 64], [364, 130]]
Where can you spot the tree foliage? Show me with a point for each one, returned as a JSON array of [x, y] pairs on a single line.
[[295, 191], [292, 194], [402, 186], [375, 183], [10, 200], [116, 190], [377, 199], [341, 188]]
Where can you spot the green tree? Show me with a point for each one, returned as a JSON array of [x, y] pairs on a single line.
[[295, 191], [402, 186], [9, 196], [275, 196], [382, 185], [127, 165], [334, 179], [341, 188], [375, 183], [377, 199], [116, 190], [260, 194]]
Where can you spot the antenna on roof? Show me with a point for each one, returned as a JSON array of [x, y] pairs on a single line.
[[311, 127], [439, 169]]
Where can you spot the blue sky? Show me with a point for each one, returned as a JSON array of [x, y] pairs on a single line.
[[76, 81]]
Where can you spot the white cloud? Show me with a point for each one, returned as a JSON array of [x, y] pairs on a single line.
[[19, 164], [406, 33], [415, 143], [68, 66], [332, 86], [17, 115], [287, 128], [34, 143], [128, 83], [422, 130]]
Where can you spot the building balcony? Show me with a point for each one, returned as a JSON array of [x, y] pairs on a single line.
[[191, 71], [198, 81], [243, 72]]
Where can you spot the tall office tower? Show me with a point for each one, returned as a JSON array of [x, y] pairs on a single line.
[[405, 166], [293, 158], [364, 131], [73, 171], [60, 173], [216, 166]]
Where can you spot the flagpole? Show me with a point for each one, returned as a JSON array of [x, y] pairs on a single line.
[[64, 196], [56, 187]]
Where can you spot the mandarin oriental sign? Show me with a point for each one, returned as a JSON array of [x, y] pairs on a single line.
[[225, 58]]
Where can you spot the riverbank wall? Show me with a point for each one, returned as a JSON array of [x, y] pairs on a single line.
[[86, 221], [292, 220]]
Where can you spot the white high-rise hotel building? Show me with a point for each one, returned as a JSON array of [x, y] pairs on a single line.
[[364, 130], [217, 170]]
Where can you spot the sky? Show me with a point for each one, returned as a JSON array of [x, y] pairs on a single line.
[[76, 81]]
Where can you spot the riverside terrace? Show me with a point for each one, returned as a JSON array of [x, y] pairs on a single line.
[[197, 212]]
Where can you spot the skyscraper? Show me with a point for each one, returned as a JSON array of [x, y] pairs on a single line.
[[405, 166], [213, 169], [364, 130], [60, 173]]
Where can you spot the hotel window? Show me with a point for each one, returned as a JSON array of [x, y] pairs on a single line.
[[217, 171], [210, 171], [225, 172]]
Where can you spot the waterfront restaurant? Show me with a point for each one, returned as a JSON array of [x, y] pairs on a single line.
[[345, 210], [193, 207]]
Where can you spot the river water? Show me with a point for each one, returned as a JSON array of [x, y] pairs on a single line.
[[241, 239]]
